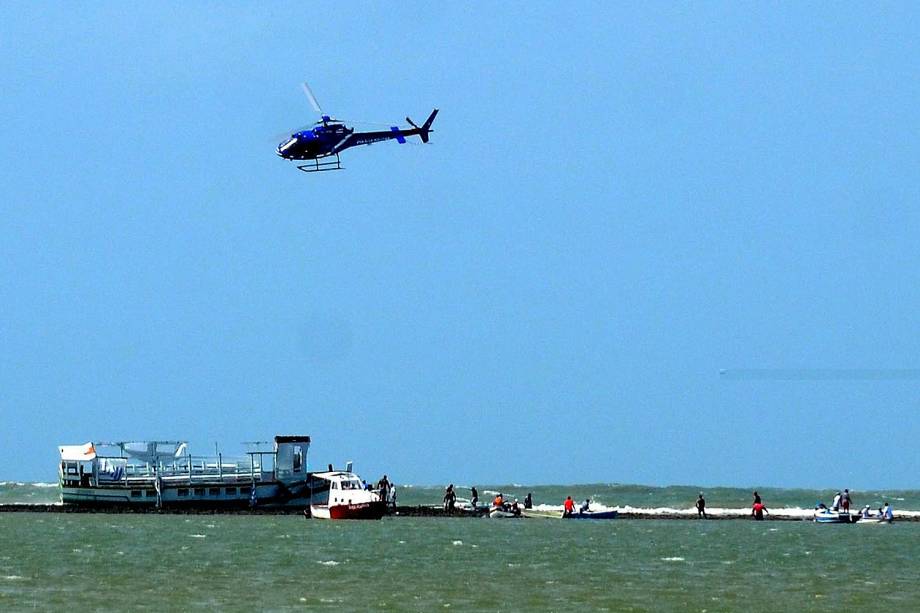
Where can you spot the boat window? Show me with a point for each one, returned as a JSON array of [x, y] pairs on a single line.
[[183, 491], [245, 490], [151, 494], [334, 486], [214, 491], [135, 493], [298, 458], [199, 491], [230, 491]]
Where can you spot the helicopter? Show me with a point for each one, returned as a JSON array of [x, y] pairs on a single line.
[[328, 137]]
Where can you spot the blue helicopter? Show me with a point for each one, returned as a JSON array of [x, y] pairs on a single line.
[[329, 137]]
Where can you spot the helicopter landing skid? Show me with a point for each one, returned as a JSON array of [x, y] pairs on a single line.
[[317, 166]]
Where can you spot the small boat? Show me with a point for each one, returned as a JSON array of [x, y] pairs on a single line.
[[593, 515], [347, 498], [543, 513], [875, 519], [829, 516], [504, 512]]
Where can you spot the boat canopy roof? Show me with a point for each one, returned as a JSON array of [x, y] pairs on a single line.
[[329, 475], [78, 453], [145, 451]]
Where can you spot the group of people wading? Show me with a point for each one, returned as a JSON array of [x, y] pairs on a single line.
[[499, 502], [758, 508]]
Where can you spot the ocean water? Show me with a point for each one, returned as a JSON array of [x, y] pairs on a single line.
[[99, 562], [94, 562]]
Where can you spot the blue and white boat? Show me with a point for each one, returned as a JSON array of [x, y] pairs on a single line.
[[829, 516], [594, 515]]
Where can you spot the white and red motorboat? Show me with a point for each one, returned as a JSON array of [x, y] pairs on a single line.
[[348, 499]]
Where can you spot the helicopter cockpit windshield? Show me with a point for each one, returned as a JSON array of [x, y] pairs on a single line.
[[283, 147]]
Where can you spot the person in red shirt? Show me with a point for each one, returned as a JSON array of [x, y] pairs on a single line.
[[758, 510], [568, 506]]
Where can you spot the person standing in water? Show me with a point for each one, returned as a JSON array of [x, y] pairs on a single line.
[[568, 507], [756, 497], [474, 496], [701, 506], [450, 497], [528, 501], [758, 510], [384, 486], [886, 513]]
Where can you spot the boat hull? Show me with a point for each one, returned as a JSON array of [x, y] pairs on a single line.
[[225, 494], [361, 510], [873, 520], [502, 514], [834, 517], [594, 515]]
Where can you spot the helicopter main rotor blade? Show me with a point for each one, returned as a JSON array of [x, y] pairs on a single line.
[[311, 97]]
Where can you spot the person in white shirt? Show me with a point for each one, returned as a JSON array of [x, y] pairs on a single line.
[[836, 505]]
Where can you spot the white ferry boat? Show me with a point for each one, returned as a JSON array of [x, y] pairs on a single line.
[[346, 498], [164, 474]]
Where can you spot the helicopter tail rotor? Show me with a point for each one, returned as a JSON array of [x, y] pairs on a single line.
[[426, 127]]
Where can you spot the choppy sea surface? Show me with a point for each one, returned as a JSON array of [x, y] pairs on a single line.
[[92, 562]]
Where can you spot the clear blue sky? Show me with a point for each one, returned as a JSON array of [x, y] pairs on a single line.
[[618, 203]]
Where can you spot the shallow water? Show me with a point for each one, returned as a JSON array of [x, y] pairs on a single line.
[[155, 562]]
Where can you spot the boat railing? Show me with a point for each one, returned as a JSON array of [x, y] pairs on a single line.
[[190, 468]]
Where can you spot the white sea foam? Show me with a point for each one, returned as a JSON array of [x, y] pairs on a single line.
[[24, 483], [13, 577], [197, 536], [458, 542], [328, 563], [782, 512], [673, 559]]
